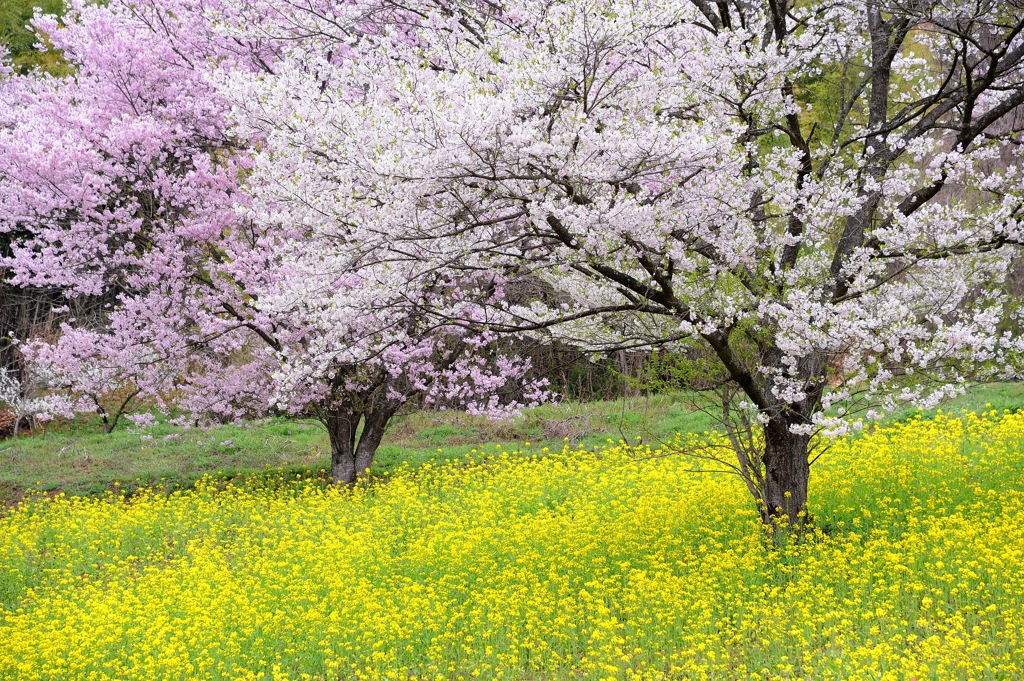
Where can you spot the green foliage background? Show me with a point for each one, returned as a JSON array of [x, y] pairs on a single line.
[[21, 41]]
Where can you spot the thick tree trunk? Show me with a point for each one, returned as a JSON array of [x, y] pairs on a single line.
[[341, 430], [369, 440], [351, 460], [786, 474]]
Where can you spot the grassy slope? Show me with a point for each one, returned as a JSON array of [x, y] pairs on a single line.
[[79, 459]]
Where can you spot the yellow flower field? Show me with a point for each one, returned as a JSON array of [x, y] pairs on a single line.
[[616, 564]]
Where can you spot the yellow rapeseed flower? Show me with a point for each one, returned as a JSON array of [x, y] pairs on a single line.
[[616, 563]]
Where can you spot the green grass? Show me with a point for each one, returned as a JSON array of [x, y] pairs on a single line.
[[998, 396], [78, 459]]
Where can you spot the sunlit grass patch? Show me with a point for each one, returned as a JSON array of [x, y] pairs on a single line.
[[618, 563]]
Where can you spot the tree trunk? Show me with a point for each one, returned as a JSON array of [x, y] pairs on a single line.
[[109, 424], [349, 460], [341, 429], [786, 474], [369, 440]]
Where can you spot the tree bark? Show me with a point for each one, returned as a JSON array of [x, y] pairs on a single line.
[[787, 471], [341, 430], [374, 424], [110, 424], [351, 457]]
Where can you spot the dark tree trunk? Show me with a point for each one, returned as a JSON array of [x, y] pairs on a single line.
[[351, 458], [341, 429], [109, 424], [369, 440], [786, 474]]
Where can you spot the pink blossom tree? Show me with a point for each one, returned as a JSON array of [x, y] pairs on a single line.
[[122, 184], [823, 198]]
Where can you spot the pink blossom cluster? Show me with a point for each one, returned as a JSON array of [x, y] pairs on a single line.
[[127, 185], [324, 206]]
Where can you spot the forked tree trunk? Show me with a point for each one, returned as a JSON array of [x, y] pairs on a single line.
[[341, 430], [374, 424], [785, 476], [109, 424], [351, 460]]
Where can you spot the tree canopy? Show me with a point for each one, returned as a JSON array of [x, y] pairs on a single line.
[[820, 200]]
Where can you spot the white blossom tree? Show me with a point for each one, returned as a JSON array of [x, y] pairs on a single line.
[[823, 197]]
